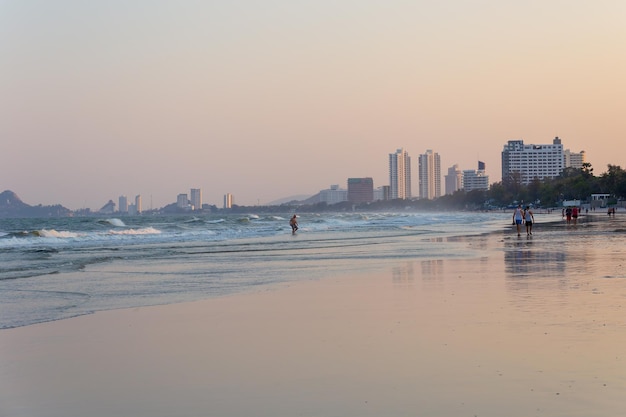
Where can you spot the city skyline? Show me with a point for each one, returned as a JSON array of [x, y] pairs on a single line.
[[428, 179], [265, 101]]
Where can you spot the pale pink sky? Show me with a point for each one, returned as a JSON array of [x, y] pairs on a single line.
[[276, 98]]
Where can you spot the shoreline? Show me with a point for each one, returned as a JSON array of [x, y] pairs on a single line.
[[530, 327]]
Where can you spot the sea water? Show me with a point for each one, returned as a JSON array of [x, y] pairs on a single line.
[[56, 268]]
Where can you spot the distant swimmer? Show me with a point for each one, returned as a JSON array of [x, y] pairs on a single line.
[[294, 224]]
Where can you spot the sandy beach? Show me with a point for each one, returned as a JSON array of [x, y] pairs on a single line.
[[531, 326]]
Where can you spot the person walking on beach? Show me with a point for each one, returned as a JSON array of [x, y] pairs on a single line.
[[568, 215], [529, 219], [518, 216], [575, 214], [294, 224]]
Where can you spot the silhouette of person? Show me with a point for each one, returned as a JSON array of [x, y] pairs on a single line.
[[529, 219], [518, 217], [294, 224]]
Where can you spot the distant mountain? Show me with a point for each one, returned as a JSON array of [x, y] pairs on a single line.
[[10, 199], [286, 200], [11, 206]]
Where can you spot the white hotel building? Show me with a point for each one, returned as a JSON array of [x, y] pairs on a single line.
[[533, 161]]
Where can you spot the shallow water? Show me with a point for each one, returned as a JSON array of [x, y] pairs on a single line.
[[58, 268]]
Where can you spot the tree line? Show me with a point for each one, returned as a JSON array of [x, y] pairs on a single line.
[[572, 184]]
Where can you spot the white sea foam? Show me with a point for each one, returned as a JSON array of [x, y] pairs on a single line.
[[57, 234], [144, 231]]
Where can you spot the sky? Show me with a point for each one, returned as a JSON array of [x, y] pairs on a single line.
[[271, 99]]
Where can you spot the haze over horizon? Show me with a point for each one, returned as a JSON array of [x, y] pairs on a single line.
[[265, 100]]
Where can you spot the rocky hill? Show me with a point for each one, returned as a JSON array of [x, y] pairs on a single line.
[[11, 206]]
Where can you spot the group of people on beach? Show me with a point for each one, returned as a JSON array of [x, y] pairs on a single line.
[[523, 216], [571, 214]]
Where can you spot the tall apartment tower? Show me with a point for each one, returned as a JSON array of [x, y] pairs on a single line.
[[123, 204], [138, 204], [228, 201], [454, 179], [429, 175], [196, 198], [400, 175], [532, 161]]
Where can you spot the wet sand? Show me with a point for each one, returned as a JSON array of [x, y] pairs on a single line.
[[532, 326]]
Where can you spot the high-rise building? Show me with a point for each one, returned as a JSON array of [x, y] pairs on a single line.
[[182, 201], [400, 174], [454, 179], [476, 179], [196, 198], [123, 204], [532, 161], [138, 204], [429, 175], [360, 190], [228, 201]]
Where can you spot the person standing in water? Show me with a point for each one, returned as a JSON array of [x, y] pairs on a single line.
[[529, 219], [575, 214], [294, 224], [518, 217]]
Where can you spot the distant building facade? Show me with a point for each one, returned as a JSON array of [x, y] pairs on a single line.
[[228, 201], [573, 159], [122, 204], [382, 193], [454, 179], [333, 195], [360, 190], [196, 199], [182, 202], [400, 175], [429, 175], [532, 161], [476, 179], [138, 208]]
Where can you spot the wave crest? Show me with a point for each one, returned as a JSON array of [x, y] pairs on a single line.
[[144, 231], [56, 234], [113, 222]]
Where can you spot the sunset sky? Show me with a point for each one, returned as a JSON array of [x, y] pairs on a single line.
[[268, 99]]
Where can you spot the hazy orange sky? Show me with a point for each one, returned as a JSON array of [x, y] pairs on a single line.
[[268, 99]]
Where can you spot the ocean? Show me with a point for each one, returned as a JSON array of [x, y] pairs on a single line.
[[57, 268]]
